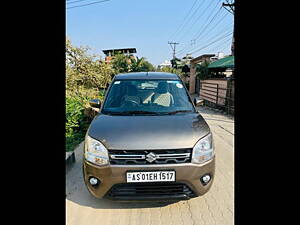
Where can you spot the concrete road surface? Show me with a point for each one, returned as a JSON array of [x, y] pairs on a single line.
[[215, 207]]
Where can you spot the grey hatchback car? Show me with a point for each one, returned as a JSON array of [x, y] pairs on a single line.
[[148, 142]]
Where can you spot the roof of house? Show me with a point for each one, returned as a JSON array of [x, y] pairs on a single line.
[[130, 50], [202, 57], [226, 62], [146, 75]]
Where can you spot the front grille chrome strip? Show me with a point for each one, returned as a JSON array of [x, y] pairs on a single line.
[[128, 156], [158, 156], [144, 157], [172, 156]]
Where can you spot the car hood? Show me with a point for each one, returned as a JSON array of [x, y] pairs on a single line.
[[148, 132]]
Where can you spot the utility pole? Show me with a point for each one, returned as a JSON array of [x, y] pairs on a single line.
[[173, 48], [230, 9]]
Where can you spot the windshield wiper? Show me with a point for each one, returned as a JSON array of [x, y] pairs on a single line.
[[139, 112], [132, 113], [178, 111]]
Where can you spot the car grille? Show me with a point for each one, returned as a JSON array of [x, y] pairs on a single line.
[[142, 157], [144, 191]]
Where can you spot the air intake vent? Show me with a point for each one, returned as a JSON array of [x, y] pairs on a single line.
[[150, 191]]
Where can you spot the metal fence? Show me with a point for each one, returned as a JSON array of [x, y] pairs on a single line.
[[218, 97]]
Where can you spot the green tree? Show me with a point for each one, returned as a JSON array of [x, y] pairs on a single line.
[[171, 70], [85, 74], [202, 70], [120, 63], [141, 65], [124, 64]]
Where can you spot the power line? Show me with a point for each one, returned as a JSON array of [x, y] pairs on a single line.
[[75, 1], [201, 14], [203, 23], [217, 23], [187, 15], [210, 37], [196, 19], [87, 4], [219, 34], [187, 22], [210, 43], [200, 33], [180, 52], [226, 28], [218, 46], [216, 36], [222, 49]]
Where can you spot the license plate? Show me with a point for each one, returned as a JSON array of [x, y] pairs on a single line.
[[150, 176]]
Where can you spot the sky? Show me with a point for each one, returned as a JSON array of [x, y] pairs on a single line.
[[200, 27]]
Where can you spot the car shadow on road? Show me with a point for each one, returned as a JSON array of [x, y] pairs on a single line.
[[77, 192], [82, 197]]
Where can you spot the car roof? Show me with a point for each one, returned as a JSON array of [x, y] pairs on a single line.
[[146, 75]]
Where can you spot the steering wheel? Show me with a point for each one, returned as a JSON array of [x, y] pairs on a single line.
[[130, 101], [133, 102]]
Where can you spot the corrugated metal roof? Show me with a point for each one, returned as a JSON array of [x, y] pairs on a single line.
[[227, 62]]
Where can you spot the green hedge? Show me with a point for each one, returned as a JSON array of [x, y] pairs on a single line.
[[76, 122]]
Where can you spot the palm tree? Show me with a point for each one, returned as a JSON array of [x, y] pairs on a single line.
[[140, 65]]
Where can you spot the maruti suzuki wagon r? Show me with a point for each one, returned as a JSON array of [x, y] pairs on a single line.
[[148, 142]]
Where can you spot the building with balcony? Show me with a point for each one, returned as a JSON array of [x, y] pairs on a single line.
[[110, 53]]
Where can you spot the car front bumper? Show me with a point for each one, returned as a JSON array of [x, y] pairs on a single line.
[[186, 173]]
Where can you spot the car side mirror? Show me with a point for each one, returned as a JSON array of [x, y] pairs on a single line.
[[96, 103], [198, 101]]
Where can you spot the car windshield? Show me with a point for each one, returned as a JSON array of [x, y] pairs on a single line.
[[147, 97]]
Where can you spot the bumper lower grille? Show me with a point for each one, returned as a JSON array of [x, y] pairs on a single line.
[[142, 157], [150, 191]]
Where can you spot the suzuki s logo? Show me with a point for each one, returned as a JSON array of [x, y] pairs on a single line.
[[151, 157]]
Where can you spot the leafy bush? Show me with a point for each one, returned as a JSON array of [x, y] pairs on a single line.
[[76, 122], [86, 75]]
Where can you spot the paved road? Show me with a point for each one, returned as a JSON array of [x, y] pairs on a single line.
[[215, 207]]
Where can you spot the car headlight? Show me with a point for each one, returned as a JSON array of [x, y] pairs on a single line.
[[95, 151], [203, 150]]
